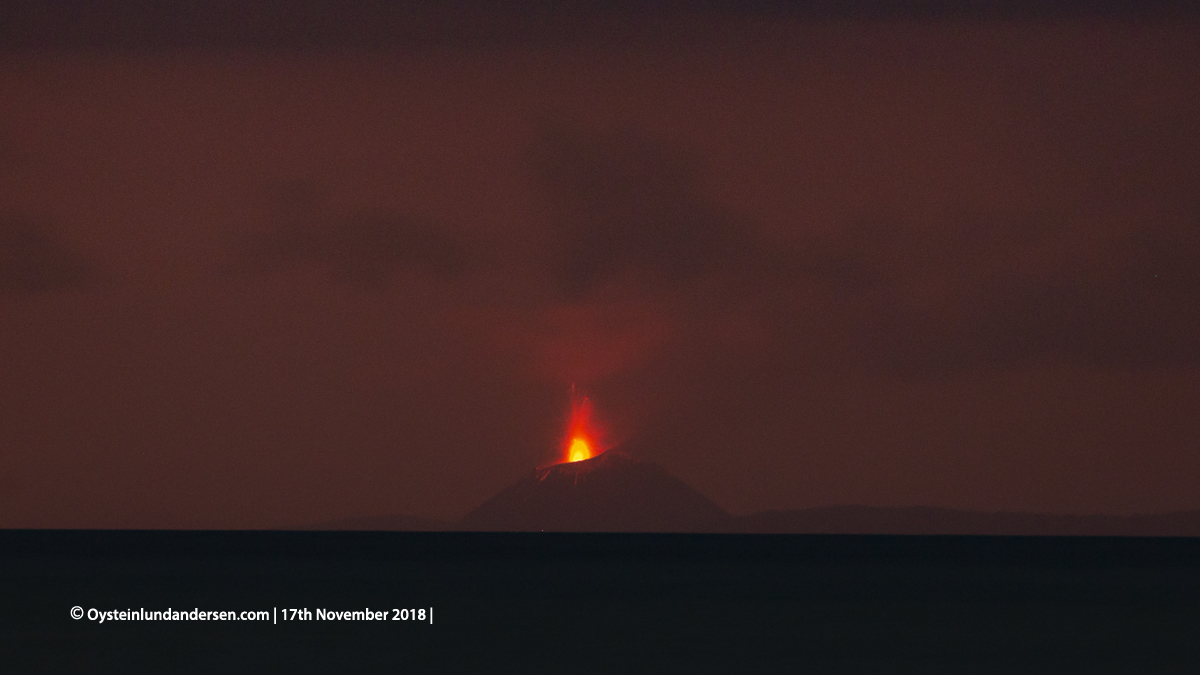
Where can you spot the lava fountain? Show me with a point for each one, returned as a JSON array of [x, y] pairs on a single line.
[[581, 439]]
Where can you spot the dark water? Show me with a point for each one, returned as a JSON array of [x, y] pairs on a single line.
[[603, 603]]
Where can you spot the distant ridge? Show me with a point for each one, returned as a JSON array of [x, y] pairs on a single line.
[[927, 520], [393, 523]]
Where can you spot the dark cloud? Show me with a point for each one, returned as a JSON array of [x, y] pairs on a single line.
[[873, 253], [284, 24], [632, 207], [1136, 306], [363, 248], [981, 288], [35, 260], [1008, 292], [8, 151]]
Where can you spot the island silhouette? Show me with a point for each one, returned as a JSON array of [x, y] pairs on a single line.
[[616, 492]]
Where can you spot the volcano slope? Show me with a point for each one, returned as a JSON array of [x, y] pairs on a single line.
[[611, 492]]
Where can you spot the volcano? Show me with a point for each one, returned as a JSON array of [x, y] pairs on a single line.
[[611, 492]]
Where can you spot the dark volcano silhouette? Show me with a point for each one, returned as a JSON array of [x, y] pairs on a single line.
[[612, 492]]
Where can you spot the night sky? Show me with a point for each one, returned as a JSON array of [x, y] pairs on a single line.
[[259, 271]]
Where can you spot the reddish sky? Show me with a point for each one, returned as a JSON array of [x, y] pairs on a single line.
[[797, 262]]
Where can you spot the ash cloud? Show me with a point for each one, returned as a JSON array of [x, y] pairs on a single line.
[[977, 289], [631, 206], [35, 260]]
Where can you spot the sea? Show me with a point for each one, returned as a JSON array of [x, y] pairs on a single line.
[[461, 602]]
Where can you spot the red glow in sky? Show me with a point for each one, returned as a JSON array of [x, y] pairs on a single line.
[[800, 262]]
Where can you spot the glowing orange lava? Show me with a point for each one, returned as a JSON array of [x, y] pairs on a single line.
[[580, 450], [580, 435]]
